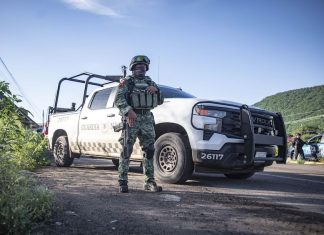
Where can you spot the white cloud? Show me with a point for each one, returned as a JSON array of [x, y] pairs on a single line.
[[93, 6]]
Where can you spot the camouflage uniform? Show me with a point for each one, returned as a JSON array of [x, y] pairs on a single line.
[[143, 129]]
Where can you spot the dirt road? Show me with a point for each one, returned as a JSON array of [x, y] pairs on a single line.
[[285, 199]]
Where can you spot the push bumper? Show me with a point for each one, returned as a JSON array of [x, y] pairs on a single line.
[[256, 152]]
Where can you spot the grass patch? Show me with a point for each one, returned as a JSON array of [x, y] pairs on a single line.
[[23, 201], [301, 162]]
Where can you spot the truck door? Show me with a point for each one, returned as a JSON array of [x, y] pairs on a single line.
[[321, 147], [111, 138], [95, 127]]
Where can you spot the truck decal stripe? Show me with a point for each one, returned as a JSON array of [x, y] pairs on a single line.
[[103, 147]]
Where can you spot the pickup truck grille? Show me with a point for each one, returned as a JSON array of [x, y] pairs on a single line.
[[263, 124]]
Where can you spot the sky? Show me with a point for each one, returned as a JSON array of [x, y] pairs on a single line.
[[233, 50]]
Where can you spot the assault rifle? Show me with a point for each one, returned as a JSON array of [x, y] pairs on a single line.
[[123, 126]]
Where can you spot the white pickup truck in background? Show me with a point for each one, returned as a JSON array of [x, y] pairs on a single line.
[[191, 134]]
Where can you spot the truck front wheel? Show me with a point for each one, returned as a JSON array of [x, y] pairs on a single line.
[[172, 158], [61, 152]]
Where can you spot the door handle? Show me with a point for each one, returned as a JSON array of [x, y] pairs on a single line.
[[84, 118], [111, 115]]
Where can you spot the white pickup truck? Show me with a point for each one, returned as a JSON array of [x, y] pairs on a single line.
[[191, 134]]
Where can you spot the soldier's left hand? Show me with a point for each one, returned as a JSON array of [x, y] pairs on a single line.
[[151, 89]]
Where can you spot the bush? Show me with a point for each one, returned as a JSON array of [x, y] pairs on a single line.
[[30, 153], [23, 203]]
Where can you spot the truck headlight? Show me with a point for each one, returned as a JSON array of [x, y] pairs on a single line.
[[208, 119], [210, 112], [214, 127]]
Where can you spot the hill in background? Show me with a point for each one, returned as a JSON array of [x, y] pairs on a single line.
[[302, 109]]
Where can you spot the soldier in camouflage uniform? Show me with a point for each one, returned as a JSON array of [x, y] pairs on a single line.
[[139, 119]]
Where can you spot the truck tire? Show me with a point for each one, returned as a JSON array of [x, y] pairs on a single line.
[[115, 162], [240, 176], [62, 153], [172, 158]]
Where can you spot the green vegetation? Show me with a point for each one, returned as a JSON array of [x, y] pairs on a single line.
[[23, 202], [301, 162], [302, 109]]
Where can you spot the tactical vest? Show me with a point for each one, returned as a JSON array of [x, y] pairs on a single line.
[[139, 98]]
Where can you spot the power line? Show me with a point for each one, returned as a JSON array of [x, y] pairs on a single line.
[[20, 88], [3, 75]]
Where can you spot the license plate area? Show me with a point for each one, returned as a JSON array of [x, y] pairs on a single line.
[[260, 156], [211, 156]]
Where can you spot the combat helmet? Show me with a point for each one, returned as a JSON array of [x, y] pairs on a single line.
[[139, 59]]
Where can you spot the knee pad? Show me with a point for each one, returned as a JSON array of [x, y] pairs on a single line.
[[149, 151]]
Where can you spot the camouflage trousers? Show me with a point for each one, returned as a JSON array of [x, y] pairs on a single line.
[[144, 131]]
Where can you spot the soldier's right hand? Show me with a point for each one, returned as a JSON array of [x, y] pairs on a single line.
[[131, 117], [151, 89]]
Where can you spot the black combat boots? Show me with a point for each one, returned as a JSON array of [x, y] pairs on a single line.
[[123, 188], [151, 185]]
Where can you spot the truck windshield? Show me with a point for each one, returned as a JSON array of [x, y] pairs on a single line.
[[169, 92]]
